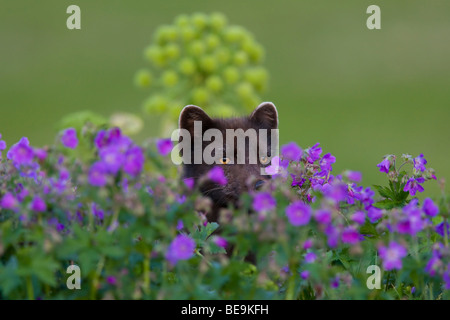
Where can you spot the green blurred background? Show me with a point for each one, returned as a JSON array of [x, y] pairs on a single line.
[[360, 93]]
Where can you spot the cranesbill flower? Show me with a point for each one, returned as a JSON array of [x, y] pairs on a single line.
[[413, 185], [41, 154], [98, 174], [263, 202], [69, 138], [332, 234], [419, 163], [366, 197], [97, 211], [355, 176], [310, 257], [314, 153], [323, 216], [434, 264], [112, 158], [9, 201], [304, 274], [440, 229], [21, 153], [217, 175], [164, 146], [189, 182], [384, 165], [326, 162], [430, 208], [111, 280], [298, 213], [181, 248], [359, 217], [38, 205], [350, 235], [220, 242], [307, 244], [374, 214], [392, 255], [291, 151], [134, 161], [2, 144]]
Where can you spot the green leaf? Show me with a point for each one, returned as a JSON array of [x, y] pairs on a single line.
[[384, 192]]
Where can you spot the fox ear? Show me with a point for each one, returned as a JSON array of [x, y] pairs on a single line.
[[265, 115], [192, 113]]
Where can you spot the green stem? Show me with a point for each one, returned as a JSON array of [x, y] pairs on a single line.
[[30, 291], [95, 277], [147, 274]]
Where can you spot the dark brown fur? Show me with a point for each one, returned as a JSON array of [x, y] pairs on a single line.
[[241, 177]]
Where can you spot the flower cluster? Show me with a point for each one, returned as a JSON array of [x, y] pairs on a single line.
[[119, 211]]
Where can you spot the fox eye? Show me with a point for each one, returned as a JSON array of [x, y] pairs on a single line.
[[264, 160], [224, 160]]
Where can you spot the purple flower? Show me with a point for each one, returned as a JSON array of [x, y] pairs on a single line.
[[434, 264], [97, 211], [180, 225], [430, 208], [9, 201], [180, 198], [326, 162], [307, 244], [332, 234], [134, 161], [366, 197], [69, 138], [164, 146], [2, 144], [440, 229], [392, 255], [310, 257], [359, 217], [314, 153], [335, 282], [419, 163], [181, 248], [374, 214], [111, 280], [101, 139], [297, 181], [263, 202], [21, 153], [112, 158], [189, 182], [412, 221], [298, 213], [350, 235], [220, 242], [98, 174], [38, 205], [274, 167], [323, 216], [384, 165], [291, 151], [355, 176], [413, 185], [217, 175], [304, 274]]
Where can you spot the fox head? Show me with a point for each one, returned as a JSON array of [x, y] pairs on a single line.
[[243, 172]]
